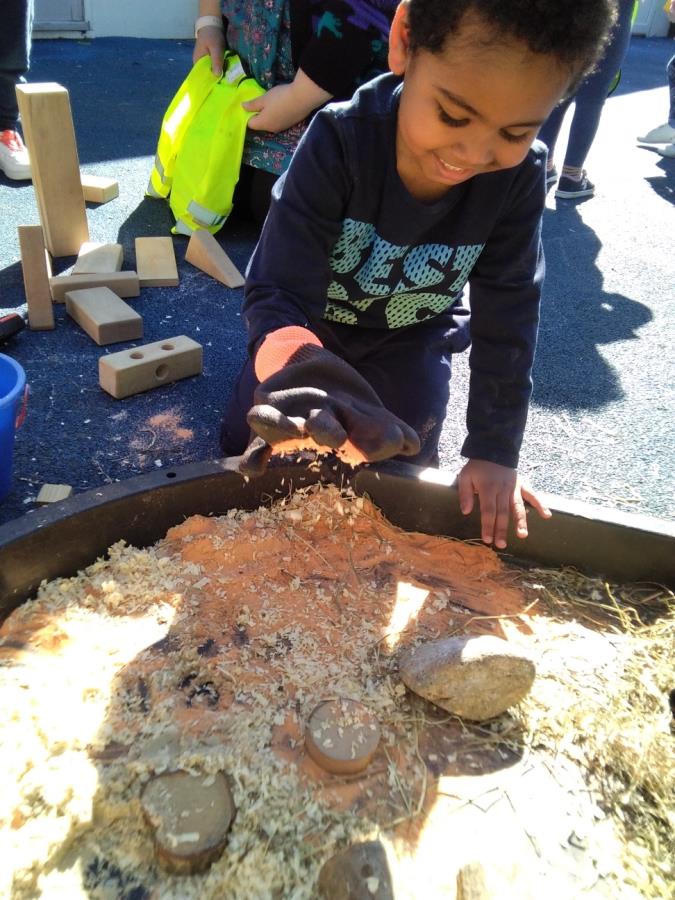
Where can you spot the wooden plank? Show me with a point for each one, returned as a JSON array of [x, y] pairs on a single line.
[[36, 267], [124, 284], [104, 316], [152, 365], [205, 253], [48, 128], [96, 259], [156, 262], [98, 188]]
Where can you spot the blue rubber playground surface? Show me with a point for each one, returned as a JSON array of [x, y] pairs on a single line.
[[601, 426]]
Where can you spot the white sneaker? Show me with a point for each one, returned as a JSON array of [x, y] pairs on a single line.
[[667, 151], [662, 134], [14, 160]]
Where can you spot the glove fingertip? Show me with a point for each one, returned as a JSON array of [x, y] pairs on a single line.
[[255, 458]]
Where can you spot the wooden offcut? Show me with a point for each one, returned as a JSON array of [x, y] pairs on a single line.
[[48, 128], [97, 259], [54, 493], [342, 736], [124, 284], [104, 316], [149, 366], [205, 253], [36, 268], [156, 262], [98, 188], [190, 815]]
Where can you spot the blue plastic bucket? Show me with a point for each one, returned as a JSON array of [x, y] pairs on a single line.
[[13, 396]]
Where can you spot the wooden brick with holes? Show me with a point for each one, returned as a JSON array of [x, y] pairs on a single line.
[[48, 128], [156, 262], [98, 259], [36, 267], [124, 284], [98, 188], [104, 316], [205, 253], [149, 366]]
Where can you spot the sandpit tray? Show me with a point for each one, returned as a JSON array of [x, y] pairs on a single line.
[[498, 809], [59, 540]]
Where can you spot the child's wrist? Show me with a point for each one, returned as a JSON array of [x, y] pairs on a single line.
[[208, 22]]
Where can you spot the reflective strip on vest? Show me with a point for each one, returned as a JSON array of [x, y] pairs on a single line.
[[205, 216]]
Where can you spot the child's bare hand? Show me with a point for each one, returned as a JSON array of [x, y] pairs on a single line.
[[285, 104], [210, 41], [501, 494]]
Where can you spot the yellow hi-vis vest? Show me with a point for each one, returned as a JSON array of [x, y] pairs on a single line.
[[201, 144]]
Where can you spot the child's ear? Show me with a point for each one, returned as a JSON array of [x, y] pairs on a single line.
[[399, 40]]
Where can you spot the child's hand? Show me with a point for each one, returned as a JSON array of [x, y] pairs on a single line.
[[210, 41], [285, 104], [501, 492]]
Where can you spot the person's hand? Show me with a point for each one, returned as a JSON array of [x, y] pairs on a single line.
[[318, 401], [285, 104], [501, 494], [210, 41]]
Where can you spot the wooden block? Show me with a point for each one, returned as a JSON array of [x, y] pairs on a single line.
[[96, 259], [342, 736], [134, 371], [156, 262], [98, 188], [199, 808], [36, 267], [50, 137], [54, 493], [105, 318], [124, 284], [205, 253]]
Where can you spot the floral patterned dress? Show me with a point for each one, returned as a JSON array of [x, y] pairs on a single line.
[[262, 34]]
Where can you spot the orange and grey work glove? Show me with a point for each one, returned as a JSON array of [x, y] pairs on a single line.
[[309, 398]]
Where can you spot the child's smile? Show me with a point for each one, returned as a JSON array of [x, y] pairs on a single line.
[[473, 108]]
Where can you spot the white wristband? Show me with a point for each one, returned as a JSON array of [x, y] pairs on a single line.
[[208, 21]]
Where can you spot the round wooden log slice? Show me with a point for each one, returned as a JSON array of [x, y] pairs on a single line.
[[361, 872], [191, 816], [342, 736], [473, 677]]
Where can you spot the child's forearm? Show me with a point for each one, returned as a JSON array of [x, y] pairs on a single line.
[[307, 95]]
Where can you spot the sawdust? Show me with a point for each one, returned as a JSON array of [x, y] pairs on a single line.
[[209, 651]]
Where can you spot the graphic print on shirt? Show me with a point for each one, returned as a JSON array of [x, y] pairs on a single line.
[[383, 285]]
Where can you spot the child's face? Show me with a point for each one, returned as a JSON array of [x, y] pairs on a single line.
[[469, 109]]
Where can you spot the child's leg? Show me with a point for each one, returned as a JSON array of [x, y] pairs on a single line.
[[410, 371], [550, 130], [15, 46], [590, 98], [670, 71]]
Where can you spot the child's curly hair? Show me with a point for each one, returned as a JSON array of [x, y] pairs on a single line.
[[573, 31]]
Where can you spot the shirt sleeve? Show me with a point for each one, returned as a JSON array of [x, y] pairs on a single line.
[[344, 44], [289, 272], [505, 290]]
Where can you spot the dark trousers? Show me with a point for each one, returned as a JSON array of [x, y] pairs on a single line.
[[409, 368], [590, 98], [16, 22]]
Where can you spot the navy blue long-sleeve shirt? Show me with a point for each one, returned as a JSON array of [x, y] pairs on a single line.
[[346, 242]]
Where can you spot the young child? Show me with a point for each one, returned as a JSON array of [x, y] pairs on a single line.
[[426, 181]]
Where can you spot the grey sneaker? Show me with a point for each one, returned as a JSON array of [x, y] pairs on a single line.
[[551, 178], [572, 189]]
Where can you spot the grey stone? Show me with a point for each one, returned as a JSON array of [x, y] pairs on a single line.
[[473, 677], [361, 872]]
